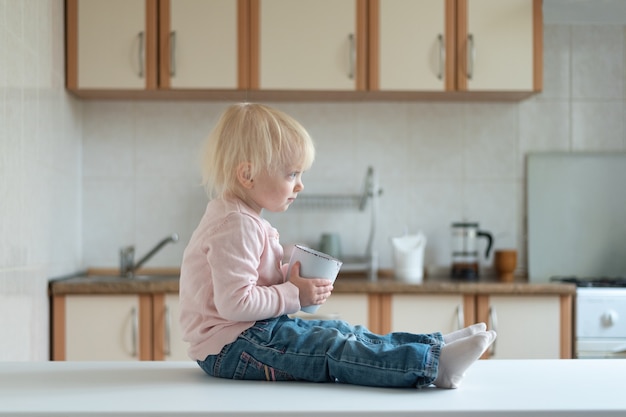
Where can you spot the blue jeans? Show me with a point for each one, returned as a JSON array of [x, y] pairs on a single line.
[[292, 349]]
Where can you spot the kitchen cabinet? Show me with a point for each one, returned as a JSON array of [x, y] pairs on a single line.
[[352, 308], [111, 44], [102, 327], [308, 45], [528, 326], [202, 44], [427, 313], [456, 45], [116, 327], [150, 45]]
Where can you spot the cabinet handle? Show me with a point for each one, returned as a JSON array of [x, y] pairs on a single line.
[[167, 351], [493, 324], [442, 56], [141, 54], [134, 330], [460, 318], [471, 54], [172, 53], [352, 55]]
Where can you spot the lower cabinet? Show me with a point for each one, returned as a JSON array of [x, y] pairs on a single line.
[[116, 327], [528, 326], [427, 313], [145, 326], [353, 308]]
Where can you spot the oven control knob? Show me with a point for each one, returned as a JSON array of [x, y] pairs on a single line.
[[609, 318]]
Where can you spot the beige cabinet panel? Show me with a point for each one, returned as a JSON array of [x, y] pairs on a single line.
[[499, 45], [307, 45], [427, 313], [528, 327], [412, 35], [202, 44], [111, 44], [352, 308], [102, 327]]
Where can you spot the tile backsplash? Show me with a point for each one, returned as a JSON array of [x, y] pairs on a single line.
[[80, 179]]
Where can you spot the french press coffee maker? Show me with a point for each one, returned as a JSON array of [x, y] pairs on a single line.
[[465, 258]]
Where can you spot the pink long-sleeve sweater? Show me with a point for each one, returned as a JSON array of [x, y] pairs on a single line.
[[231, 276]]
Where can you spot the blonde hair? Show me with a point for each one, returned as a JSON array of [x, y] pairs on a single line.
[[264, 137]]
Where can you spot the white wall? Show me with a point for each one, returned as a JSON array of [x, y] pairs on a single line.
[[437, 162], [40, 173]]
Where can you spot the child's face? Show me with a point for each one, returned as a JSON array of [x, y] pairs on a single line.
[[275, 191]]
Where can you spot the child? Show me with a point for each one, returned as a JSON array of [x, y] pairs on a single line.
[[235, 295]]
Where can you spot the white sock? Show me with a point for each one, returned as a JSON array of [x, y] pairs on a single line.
[[456, 357], [467, 331]]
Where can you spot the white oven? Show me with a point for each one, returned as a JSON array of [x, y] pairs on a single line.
[[600, 322]]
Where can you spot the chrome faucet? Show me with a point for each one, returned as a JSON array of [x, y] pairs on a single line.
[[128, 267]]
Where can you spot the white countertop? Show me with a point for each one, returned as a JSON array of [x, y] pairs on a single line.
[[491, 388]]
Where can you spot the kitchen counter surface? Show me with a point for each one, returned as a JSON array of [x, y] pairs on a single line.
[[491, 388], [103, 283]]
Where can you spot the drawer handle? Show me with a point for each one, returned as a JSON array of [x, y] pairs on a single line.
[[141, 54], [493, 324], [460, 318], [172, 53], [134, 330], [442, 56], [471, 55], [352, 56], [167, 351]]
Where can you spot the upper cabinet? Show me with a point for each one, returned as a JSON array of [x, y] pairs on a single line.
[[201, 45], [111, 44], [455, 45], [333, 49], [499, 45], [308, 45]]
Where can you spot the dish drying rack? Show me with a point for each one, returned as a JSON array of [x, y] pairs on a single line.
[[371, 191]]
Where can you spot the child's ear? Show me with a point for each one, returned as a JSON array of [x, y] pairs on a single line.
[[244, 174]]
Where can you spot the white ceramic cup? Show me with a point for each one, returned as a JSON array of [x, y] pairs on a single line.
[[314, 264]]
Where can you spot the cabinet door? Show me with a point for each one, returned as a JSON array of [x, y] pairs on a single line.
[[411, 45], [528, 327], [107, 327], [111, 44], [168, 340], [427, 313], [308, 45], [497, 48], [199, 44], [353, 308]]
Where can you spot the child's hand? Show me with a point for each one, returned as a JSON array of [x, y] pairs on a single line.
[[312, 290]]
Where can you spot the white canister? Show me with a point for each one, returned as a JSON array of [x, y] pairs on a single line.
[[408, 257]]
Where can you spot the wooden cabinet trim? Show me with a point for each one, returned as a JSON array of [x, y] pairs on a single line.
[[145, 327], [244, 58], [254, 16], [151, 44], [374, 45], [71, 44], [461, 43], [165, 15], [567, 327], [57, 330], [537, 45], [451, 42], [158, 330]]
